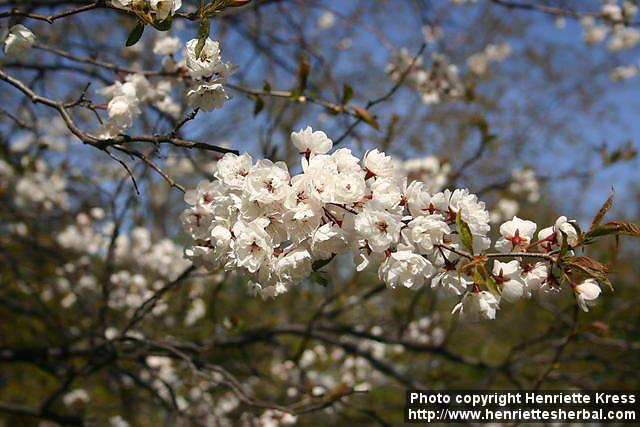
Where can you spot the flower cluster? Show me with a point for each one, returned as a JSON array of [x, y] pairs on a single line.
[[613, 23], [141, 265], [441, 80], [523, 185], [209, 72], [624, 72], [431, 170], [479, 62], [436, 83], [279, 228], [205, 74], [126, 99], [524, 182], [40, 188]]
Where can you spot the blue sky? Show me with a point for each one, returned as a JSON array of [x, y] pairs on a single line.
[[404, 31]]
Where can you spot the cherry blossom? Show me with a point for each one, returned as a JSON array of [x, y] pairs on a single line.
[[207, 96], [207, 63], [508, 275], [309, 142], [477, 305], [586, 293], [516, 235], [258, 218]]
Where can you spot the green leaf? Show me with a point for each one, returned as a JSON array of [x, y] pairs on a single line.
[[317, 265], [213, 8], [164, 25], [464, 232], [492, 285], [135, 34], [266, 86], [477, 277], [481, 276], [259, 105], [347, 93], [203, 33], [319, 278]]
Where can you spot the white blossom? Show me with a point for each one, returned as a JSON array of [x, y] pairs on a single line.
[[612, 12], [365, 256], [326, 20], [123, 107], [629, 8], [267, 182], [123, 3], [196, 312], [479, 62], [196, 222], [555, 232], [472, 211], [209, 61], [252, 244], [166, 45], [378, 227], [438, 82], [170, 107], [594, 34], [426, 231], [508, 277], [430, 170], [309, 142], [19, 40], [378, 164], [118, 421], [516, 235], [208, 97], [586, 293], [535, 276], [232, 169], [346, 189], [453, 282], [388, 192], [144, 90], [624, 72], [74, 397], [346, 163], [294, 265], [328, 240], [418, 199], [275, 418], [164, 8], [525, 183], [405, 267], [623, 38], [505, 208], [477, 305]]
